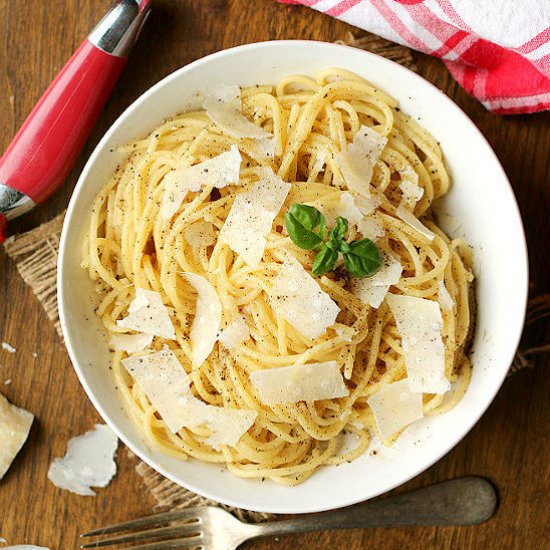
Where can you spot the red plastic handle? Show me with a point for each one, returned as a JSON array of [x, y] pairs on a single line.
[[44, 150]]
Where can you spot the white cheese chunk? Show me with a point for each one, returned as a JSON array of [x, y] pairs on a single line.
[[166, 384], [236, 332], [444, 297], [207, 321], [199, 234], [8, 347], [373, 290], [409, 218], [370, 229], [347, 208], [299, 383], [251, 217], [130, 343], [218, 172], [89, 462], [411, 191], [224, 109], [297, 297], [15, 425], [394, 407], [148, 314], [358, 160], [262, 149], [419, 323]]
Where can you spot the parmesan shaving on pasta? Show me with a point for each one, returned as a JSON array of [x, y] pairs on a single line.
[[199, 234], [130, 343], [297, 297], [409, 218], [224, 109], [394, 407], [370, 229], [419, 323], [148, 314], [357, 162], [236, 332], [410, 189], [373, 290], [347, 208], [251, 217], [444, 297], [208, 316], [311, 382], [218, 172]]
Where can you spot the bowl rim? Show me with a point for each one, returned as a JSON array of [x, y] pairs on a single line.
[[284, 508]]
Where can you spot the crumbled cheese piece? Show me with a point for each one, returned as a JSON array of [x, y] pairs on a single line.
[[219, 172], [15, 425], [410, 189], [236, 332], [224, 109], [148, 314], [346, 209], [8, 348], [207, 321], [370, 229], [130, 343], [163, 379], [419, 323], [166, 384], [89, 462], [367, 205], [409, 218], [299, 383], [320, 159], [297, 297], [358, 160], [373, 290], [444, 297], [394, 407], [199, 234], [251, 217], [262, 149]]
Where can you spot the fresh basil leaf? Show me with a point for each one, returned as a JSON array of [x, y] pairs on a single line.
[[324, 261], [336, 234], [305, 225], [363, 259]]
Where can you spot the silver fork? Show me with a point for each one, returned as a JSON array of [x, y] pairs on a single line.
[[462, 501]]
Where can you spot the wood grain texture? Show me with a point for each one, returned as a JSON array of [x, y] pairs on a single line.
[[510, 444]]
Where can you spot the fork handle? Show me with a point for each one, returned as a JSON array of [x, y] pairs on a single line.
[[462, 501]]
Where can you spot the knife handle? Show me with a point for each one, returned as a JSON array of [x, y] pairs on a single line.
[[45, 148]]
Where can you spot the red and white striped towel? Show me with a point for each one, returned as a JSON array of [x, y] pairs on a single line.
[[498, 50]]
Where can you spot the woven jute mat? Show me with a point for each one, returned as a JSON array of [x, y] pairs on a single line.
[[35, 256]]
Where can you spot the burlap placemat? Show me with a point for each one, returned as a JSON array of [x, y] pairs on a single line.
[[35, 256]]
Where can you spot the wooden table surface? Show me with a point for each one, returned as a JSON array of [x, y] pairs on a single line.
[[511, 443]]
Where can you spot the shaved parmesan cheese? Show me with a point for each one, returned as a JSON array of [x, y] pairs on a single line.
[[208, 317], [148, 314], [163, 379], [224, 109], [409, 218], [235, 333], [89, 462], [419, 323], [410, 189], [15, 425], [357, 161], [370, 229], [8, 348], [251, 217], [130, 343], [297, 297], [262, 149], [444, 297], [373, 290], [394, 407], [367, 205], [347, 209], [320, 159], [199, 234], [219, 172], [299, 383]]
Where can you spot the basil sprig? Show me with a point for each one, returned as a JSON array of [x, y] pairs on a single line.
[[306, 227]]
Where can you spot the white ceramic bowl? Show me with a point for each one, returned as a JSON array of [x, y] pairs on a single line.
[[481, 198]]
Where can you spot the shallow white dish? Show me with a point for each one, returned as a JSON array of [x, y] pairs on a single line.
[[481, 199]]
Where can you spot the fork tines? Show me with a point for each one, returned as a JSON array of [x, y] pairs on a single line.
[[184, 524]]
